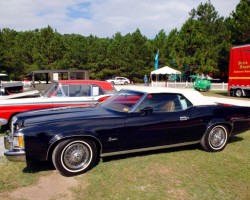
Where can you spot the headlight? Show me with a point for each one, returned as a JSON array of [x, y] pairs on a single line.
[[16, 124], [19, 124], [18, 141]]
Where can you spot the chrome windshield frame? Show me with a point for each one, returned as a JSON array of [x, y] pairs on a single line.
[[108, 101]]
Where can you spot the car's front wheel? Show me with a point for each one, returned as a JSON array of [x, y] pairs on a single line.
[[74, 156], [215, 139]]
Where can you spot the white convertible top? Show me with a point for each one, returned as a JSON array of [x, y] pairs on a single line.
[[195, 97]]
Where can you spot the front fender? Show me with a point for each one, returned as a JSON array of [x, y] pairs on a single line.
[[69, 135]]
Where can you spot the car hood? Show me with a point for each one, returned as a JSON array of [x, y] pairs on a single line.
[[62, 114]]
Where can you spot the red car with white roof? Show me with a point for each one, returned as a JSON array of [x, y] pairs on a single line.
[[59, 94]]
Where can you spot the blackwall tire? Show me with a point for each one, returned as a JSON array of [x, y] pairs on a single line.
[[215, 139], [238, 93], [74, 156]]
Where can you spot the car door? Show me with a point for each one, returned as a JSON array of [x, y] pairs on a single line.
[[118, 81], [166, 125], [78, 94]]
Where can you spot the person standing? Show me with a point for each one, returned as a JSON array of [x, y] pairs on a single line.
[[145, 80]]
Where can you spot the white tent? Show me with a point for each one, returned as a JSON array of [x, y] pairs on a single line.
[[165, 70]]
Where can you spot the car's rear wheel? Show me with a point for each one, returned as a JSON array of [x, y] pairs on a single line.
[[74, 156], [125, 83], [238, 93], [215, 139]]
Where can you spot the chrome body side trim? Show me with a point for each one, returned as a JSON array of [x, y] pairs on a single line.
[[148, 149]]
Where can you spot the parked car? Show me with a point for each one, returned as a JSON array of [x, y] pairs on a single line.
[[58, 94], [130, 121], [8, 87], [119, 81]]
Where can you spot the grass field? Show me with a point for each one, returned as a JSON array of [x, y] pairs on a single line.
[[223, 94], [179, 173], [15, 175]]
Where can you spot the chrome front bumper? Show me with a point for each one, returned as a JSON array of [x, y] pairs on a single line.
[[13, 154]]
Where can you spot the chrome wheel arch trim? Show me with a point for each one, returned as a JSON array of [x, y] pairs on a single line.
[[72, 137], [220, 124]]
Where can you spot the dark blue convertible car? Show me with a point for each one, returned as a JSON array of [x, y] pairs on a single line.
[[73, 138]]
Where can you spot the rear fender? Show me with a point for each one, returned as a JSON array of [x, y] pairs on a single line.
[[217, 121]]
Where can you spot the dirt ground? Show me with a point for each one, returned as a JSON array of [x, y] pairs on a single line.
[[50, 187]]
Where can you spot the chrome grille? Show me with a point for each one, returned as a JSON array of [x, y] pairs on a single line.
[[12, 126]]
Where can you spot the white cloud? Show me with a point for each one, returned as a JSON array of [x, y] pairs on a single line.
[[103, 17]]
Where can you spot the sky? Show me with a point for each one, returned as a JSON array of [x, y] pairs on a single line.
[[103, 18]]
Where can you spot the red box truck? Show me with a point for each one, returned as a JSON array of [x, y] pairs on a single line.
[[239, 71]]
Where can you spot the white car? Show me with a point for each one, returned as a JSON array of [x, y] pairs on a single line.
[[61, 93], [119, 81]]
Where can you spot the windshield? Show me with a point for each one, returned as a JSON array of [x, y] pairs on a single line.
[[123, 101], [51, 90], [73, 90]]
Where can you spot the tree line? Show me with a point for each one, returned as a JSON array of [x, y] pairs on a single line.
[[201, 45]]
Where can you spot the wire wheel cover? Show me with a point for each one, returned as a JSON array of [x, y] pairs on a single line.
[[76, 156], [217, 137]]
